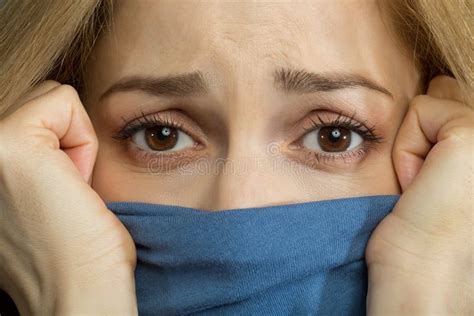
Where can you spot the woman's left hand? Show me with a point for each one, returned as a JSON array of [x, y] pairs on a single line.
[[420, 257]]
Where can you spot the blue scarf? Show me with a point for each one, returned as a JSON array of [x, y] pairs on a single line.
[[294, 259]]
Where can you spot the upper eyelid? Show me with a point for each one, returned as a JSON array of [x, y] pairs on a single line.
[[145, 120], [351, 124], [345, 121], [138, 124], [152, 119], [370, 133]]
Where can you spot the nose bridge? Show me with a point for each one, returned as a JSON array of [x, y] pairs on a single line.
[[251, 174], [242, 179], [248, 171]]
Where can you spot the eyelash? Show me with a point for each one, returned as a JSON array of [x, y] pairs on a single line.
[[143, 122], [368, 134]]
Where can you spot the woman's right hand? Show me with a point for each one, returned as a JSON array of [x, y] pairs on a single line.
[[62, 250]]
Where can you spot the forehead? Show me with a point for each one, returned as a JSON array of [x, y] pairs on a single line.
[[233, 38]]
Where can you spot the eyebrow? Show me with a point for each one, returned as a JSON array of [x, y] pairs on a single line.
[[289, 80], [187, 84], [302, 81]]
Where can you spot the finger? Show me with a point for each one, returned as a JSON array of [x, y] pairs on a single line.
[[429, 120], [60, 112], [445, 87]]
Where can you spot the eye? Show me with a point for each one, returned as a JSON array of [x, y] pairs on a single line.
[[162, 138], [334, 142], [332, 139]]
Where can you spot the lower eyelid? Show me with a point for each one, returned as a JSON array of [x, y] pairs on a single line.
[[323, 160], [172, 158], [351, 154]]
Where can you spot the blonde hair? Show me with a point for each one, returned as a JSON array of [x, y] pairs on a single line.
[[48, 39], [439, 33], [51, 39]]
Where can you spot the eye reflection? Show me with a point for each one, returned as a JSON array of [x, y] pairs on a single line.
[[332, 139]]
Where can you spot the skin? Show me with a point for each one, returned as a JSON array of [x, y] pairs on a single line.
[[419, 257], [237, 46], [62, 249]]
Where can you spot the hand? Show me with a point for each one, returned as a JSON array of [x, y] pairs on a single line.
[[420, 257], [62, 250]]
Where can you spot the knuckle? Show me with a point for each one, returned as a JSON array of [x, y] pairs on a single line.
[[461, 135], [419, 101], [50, 84], [441, 81], [68, 92]]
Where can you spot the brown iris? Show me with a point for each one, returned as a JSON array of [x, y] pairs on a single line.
[[161, 138], [332, 138]]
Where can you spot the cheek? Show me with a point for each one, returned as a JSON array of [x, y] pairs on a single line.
[[108, 180], [378, 178], [116, 179], [374, 176]]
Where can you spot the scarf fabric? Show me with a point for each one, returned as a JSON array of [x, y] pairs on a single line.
[[294, 259]]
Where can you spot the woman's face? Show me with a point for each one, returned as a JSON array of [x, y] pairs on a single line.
[[219, 104]]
